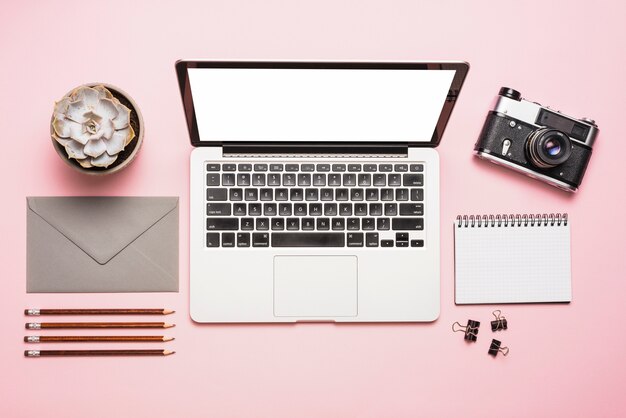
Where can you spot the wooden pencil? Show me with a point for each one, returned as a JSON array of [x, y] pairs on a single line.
[[150, 311], [83, 325], [96, 338], [84, 353]]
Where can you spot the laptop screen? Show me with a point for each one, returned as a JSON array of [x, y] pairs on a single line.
[[319, 104]]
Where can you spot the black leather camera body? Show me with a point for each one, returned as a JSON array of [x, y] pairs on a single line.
[[537, 141]]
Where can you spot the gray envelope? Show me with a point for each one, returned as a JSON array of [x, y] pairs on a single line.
[[102, 244]]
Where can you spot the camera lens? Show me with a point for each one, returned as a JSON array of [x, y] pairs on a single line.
[[548, 148]]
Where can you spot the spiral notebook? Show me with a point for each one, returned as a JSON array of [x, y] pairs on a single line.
[[512, 259]]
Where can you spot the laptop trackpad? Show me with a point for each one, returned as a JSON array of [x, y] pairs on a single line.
[[315, 286]]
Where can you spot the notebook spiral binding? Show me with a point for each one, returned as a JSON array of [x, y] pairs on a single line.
[[484, 221]]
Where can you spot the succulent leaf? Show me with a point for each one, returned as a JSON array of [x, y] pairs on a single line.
[[95, 148], [104, 160]]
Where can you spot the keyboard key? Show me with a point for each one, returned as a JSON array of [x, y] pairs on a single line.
[[236, 194], [407, 224], [334, 180], [243, 239], [284, 209], [304, 179], [386, 194], [319, 179], [216, 194], [376, 209], [330, 209], [282, 194], [402, 194], [222, 224], [267, 194], [212, 167], [402, 236], [368, 224], [323, 224], [402, 244], [228, 179], [416, 167], [262, 224], [355, 239], [218, 209], [349, 179], [276, 167], [411, 209], [311, 194], [371, 239], [258, 179], [371, 194], [292, 167], [229, 167], [243, 179], [338, 224], [364, 179], [417, 243], [308, 239], [308, 224], [228, 238], [289, 179], [413, 180], [239, 209], [394, 179], [402, 168], [260, 167], [213, 239], [385, 168], [353, 224], [278, 224], [247, 224], [356, 194], [254, 209], [293, 224], [354, 167], [339, 167], [382, 224], [273, 179], [315, 209], [391, 209], [369, 168], [360, 209], [323, 167], [341, 194], [296, 194], [213, 179], [326, 194], [250, 195], [380, 180], [345, 209], [386, 243], [417, 195], [299, 209], [260, 239], [269, 209], [245, 167], [307, 167]]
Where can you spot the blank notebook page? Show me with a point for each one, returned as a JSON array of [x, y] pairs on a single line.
[[516, 263]]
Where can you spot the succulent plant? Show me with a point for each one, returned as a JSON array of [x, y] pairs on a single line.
[[92, 125]]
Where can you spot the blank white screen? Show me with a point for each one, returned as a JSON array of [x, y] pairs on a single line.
[[251, 104]]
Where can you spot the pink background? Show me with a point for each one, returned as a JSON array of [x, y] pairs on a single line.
[[565, 360]]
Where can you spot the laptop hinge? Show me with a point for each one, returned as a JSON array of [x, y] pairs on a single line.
[[321, 150]]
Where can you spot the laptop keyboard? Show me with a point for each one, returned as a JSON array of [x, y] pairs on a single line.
[[314, 205]]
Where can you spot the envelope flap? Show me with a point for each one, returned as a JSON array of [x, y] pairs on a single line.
[[102, 226]]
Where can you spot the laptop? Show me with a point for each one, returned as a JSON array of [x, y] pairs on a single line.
[[315, 189]]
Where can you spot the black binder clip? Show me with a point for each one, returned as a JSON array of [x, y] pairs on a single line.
[[495, 348], [470, 330], [500, 322]]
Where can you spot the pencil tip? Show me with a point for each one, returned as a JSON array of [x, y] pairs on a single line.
[[166, 339], [168, 311], [167, 352], [168, 325]]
